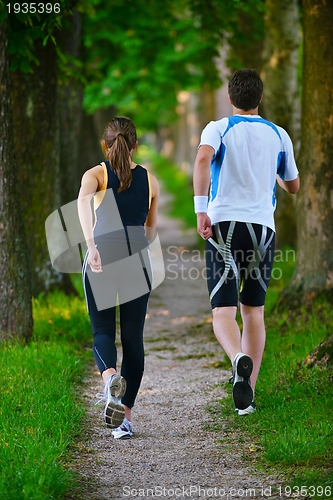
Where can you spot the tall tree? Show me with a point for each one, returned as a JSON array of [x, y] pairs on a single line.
[[37, 150], [314, 272], [43, 122], [69, 106], [15, 290], [281, 101]]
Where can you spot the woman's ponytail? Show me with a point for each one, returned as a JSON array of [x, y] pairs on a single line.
[[118, 140]]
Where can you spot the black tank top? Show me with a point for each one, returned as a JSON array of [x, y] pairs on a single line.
[[124, 213]]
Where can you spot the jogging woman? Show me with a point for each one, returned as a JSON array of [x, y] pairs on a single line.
[[125, 204]]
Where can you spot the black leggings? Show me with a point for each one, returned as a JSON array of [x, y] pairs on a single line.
[[132, 319]]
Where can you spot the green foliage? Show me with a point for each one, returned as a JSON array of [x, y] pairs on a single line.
[[27, 28], [40, 413], [137, 56], [292, 428], [21, 50], [70, 68], [139, 61], [242, 20], [41, 16]]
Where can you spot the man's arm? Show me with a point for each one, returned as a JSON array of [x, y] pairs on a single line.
[[291, 172], [290, 186], [201, 173], [201, 183]]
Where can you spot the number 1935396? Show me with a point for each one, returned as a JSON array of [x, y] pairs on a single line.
[[33, 8]]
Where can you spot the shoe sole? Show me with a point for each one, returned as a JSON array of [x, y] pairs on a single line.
[[126, 436], [244, 413], [118, 386], [242, 391], [114, 412], [244, 366], [114, 415]]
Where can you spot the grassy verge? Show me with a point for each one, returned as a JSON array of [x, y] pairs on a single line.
[[292, 430], [40, 413]]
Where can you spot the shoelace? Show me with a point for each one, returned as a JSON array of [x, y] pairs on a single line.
[[102, 398]]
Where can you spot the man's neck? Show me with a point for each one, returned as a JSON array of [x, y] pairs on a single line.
[[236, 111]]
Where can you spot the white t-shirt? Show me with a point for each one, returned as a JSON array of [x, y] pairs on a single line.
[[249, 152]]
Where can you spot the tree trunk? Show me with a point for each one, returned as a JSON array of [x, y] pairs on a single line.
[[246, 47], [185, 133], [37, 145], [15, 290], [314, 271], [281, 104], [69, 108], [322, 355], [92, 129]]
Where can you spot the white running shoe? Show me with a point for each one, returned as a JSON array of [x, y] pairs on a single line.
[[114, 411], [241, 372], [124, 431], [250, 409]]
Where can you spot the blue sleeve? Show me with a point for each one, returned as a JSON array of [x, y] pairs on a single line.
[[289, 168]]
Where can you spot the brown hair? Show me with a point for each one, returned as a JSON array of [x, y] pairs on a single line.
[[118, 140], [245, 88]]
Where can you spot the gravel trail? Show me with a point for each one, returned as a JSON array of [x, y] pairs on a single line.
[[180, 448]]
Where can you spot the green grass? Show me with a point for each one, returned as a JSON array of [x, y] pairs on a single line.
[[61, 319], [292, 430], [40, 413]]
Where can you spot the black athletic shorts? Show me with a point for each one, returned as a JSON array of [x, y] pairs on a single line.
[[239, 260]]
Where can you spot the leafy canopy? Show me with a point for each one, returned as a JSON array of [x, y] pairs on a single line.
[[140, 54], [137, 55]]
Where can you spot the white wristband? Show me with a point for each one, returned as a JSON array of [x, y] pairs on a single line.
[[200, 204]]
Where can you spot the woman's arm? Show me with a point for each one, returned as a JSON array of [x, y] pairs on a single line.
[[151, 221], [89, 186]]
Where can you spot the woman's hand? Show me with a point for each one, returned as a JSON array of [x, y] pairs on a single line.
[[94, 260]]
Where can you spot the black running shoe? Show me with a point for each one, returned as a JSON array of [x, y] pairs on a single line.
[[241, 371]]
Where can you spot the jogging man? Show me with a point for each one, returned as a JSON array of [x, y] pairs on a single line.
[[238, 162]]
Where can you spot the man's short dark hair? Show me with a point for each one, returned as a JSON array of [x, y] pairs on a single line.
[[245, 88]]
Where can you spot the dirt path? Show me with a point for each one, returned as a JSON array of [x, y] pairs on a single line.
[[179, 449]]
